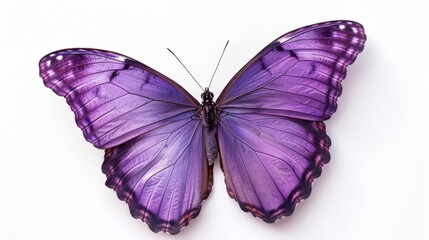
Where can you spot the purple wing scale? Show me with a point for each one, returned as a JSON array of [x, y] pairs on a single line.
[[299, 74], [272, 140], [147, 123], [270, 161], [162, 175], [114, 97]]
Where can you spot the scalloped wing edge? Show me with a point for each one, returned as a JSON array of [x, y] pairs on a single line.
[[299, 194], [171, 227]]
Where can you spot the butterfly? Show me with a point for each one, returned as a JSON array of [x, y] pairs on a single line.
[[266, 127]]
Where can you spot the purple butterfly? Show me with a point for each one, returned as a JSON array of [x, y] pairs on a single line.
[[160, 142]]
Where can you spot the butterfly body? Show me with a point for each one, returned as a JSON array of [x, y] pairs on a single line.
[[266, 127], [210, 116]]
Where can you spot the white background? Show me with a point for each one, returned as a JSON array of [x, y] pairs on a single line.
[[376, 186]]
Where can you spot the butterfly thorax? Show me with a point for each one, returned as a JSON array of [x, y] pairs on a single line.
[[209, 114], [209, 110]]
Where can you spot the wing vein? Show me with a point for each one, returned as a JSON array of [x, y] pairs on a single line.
[[272, 140], [168, 166], [152, 158], [157, 121]]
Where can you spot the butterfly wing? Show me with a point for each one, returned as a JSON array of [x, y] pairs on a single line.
[[114, 98], [299, 74], [271, 139], [270, 161], [162, 175], [148, 125]]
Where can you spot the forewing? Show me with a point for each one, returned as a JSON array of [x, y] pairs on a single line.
[[299, 74], [162, 174], [114, 97], [269, 162]]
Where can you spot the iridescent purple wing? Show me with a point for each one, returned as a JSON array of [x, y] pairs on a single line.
[[270, 161], [299, 74], [114, 97], [148, 126], [271, 139], [162, 175]]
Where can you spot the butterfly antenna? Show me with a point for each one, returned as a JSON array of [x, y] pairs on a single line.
[[218, 64], [185, 68]]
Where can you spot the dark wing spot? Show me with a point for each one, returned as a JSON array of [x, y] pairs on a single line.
[[313, 68], [144, 82], [264, 66], [280, 48], [326, 32], [348, 28], [113, 75], [126, 67], [293, 54]]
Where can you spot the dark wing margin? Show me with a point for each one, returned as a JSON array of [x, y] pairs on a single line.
[[271, 135], [154, 157], [270, 162], [114, 97], [299, 74], [162, 175]]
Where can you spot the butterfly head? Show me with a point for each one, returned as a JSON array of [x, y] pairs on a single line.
[[207, 96]]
